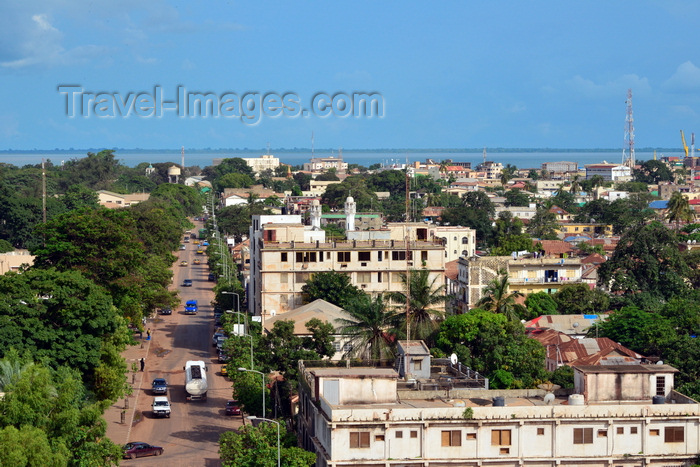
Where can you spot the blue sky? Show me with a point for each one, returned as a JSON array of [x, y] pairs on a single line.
[[510, 74]]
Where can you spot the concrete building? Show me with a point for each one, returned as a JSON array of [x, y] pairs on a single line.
[[525, 275], [262, 163], [14, 260], [491, 169], [609, 172], [324, 164], [560, 167], [109, 199], [584, 228], [285, 254], [618, 415]]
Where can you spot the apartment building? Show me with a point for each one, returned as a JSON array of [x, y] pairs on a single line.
[[609, 172], [618, 415], [584, 228], [262, 163], [324, 164], [525, 275]]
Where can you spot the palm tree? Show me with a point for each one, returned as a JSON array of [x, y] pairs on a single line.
[[368, 328], [575, 185], [425, 304], [497, 299], [678, 209]]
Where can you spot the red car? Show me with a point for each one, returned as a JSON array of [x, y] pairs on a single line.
[[232, 407], [134, 450]]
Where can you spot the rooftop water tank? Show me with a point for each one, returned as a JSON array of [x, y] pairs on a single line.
[[658, 400], [499, 401], [576, 399]]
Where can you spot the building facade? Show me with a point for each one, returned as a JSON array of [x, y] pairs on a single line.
[[619, 416]]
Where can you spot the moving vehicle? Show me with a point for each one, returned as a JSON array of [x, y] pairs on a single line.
[[165, 311], [183, 247], [200, 252], [161, 407], [191, 307], [159, 386], [183, 263], [196, 261], [187, 283], [196, 380], [139, 449], [232, 407]]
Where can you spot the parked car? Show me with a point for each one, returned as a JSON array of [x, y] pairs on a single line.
[[205, 243], [187, 283], [139, 449], [165, 311], [159, 386], [215, 338], [212, 277], [232, 407], [223, 358], [183, 246], [224, 370]]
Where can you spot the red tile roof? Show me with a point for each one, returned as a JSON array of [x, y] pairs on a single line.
[[451, 270], [554, 247]]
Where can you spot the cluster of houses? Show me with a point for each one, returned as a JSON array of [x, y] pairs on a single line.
[[421, 411]]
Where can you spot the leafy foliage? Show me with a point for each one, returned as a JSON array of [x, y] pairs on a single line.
[[252, 446], [331, 286], [426, 303], [540, 303], [369, 327], [579, 299]]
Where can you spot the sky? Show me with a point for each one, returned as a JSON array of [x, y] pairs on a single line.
[[449, 74]]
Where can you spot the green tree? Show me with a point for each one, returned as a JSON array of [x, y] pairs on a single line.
[[653, 172], [5, 246], [96, 171], [679, 210], [488, 342], [256, 446], [497, 299], [646, 261], [476, 212], [331, 286], [543, 224], [186, 197], [512, 243], [642, 331], [426, 303], [516, 198], [79, 196], [233, 180], [540, 303], [563, 376], [579, 299], [369, 327]]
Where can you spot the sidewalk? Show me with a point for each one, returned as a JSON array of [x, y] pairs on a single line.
[[117, 431]]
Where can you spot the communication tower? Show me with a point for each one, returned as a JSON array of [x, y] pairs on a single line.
[[628, 147]]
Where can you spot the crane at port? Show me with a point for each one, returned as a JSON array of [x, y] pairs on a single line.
[[685, 146]]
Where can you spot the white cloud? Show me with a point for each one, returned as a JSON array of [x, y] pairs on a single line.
[[618, 87], [686, 78]]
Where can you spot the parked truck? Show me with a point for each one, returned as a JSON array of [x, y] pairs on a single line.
[[196, 380]]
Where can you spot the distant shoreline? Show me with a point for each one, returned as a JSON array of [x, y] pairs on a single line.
[[321, 151]]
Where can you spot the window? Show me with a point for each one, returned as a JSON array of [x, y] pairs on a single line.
[[451, 438], [306, 257], [399, 434], [379, 277], [465, 241], [343, 256], [633, 430], [424, 256], [471, 435], [414, 434], [269, 235], [500, 437], [401, 255], [364, 277], [602, 433], [359, 439], [364, 256], [379, 438], [417, 364], [379, 256], [654, 432], [301, 277], [540, 432], [583, 435], [396, 277], [284, 278], [673, 434], [660, 385], [283, 257], [620, 430]]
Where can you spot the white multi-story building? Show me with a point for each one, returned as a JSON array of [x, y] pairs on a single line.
[[284, 254], [262, 163], [324, 164], [609, 172], [618, 416]]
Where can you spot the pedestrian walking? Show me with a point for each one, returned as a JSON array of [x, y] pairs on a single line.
[[143, 363], [148, 334]]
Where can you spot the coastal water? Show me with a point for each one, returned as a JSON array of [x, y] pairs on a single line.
[[524, 159]]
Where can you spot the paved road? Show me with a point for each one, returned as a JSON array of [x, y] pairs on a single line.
[[190, 436]]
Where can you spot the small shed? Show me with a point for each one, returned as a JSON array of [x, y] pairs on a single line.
[[415, 356]]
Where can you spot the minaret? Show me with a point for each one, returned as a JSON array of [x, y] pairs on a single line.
[[350, 209], [315, 213]]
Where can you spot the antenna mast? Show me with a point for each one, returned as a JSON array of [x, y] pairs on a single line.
[[407, 360], [628, 147], [183, 157]]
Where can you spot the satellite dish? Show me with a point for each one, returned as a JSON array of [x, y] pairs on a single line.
[[453, 359]]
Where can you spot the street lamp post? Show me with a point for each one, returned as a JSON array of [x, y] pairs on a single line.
[[253, 417], [247, 333], [238, 299], [263, 384]]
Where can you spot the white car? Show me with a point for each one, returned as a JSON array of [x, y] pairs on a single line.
[[161, 407]]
